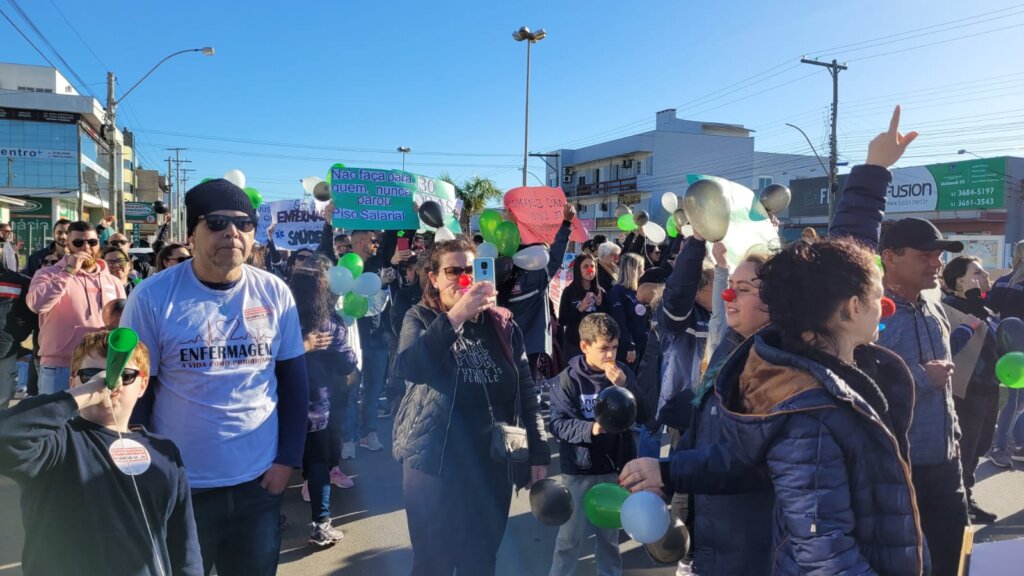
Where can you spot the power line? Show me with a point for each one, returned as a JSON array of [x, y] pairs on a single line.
[[73, 29], [27, 39], [46, 41]]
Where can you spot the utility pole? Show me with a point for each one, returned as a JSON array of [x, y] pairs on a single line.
[[170, 200], [176, 196], [110, 135], [833, 178]]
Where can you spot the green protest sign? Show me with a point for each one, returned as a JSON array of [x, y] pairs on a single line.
[[379, 199]]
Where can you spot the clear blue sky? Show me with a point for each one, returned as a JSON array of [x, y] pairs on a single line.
[[350, 81]]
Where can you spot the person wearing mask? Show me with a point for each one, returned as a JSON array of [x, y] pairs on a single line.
[[69, 299], [974, 334], [58, 247], [464, 358], [525, 294], [608, 265], [171, 255], [120, 266], [1008, 446], [237, 405], [582, 297], [631, 315]]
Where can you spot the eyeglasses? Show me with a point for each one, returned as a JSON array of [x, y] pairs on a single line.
[[453, 272], [177, 260], [117, 262], [127, 377], [117, 242], [79, 242], [219, 223], [301, 257]]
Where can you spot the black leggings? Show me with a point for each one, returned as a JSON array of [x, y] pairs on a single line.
[[457, 522]]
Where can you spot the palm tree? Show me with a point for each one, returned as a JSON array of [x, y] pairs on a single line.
[[475, 193]]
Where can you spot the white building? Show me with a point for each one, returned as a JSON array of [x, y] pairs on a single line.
[[636, 170]]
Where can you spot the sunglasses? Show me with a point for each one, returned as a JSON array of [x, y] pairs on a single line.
[[453, 272], [78, 242], [177, 260], [117, 262], [219, 223], [118, 242], [301, 257], [127, 377]]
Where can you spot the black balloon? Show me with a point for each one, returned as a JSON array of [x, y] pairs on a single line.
[[673, 545], [551, 502], [1010, 336], [775, 198], [640, 218], [322, 192], [503, 269], [159, 207], [615, 410], [431, 214]]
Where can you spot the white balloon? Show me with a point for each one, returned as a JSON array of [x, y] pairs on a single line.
[[687, 230], [309, 182], [443, 234], [531, 258], [367, 284], [236, 177], [655, 233], [340, 280], [487, 250], [669, 202], [644, 517]]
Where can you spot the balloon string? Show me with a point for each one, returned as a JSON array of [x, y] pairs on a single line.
[[138, 496]]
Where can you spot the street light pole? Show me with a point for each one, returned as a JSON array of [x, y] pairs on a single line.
[[116, 194], [524, 34], [404, 150]]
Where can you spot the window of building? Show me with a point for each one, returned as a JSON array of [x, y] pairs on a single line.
[[38, 154], [763, 181], [128, 165]]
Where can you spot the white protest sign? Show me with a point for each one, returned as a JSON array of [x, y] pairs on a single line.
[[297, 224]]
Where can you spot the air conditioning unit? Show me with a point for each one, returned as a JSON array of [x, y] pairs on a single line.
[[567, 179], [568, 171], [627, 163]]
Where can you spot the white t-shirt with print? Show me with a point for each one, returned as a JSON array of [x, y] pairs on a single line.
[[214, 352]]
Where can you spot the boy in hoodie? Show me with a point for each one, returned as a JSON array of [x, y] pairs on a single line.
[[588, 454]]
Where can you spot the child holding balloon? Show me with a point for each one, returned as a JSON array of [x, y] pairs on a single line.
[[113, 500], [592, 448]]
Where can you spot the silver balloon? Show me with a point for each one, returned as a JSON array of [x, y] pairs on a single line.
[[680, 217], [622, 210], [707, 209], [641, 218], [775, 198]]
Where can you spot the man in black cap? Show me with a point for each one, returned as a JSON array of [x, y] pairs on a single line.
[[228, 382], [911, 251]]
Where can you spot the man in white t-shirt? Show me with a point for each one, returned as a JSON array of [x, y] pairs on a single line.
[[228, 380]]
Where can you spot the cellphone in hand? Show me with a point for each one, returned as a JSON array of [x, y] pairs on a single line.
[[403, 244], [483, 270]]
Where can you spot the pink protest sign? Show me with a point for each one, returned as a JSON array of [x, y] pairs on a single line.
[[538, 212]]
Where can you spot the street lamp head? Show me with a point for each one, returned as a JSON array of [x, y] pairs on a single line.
[[404, 149], [961, 151], [207, 51], [539, 35]]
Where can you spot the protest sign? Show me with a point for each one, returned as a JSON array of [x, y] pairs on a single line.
[[561, 280], [297, 224], [263, 221], [378, 199], [537, 211]]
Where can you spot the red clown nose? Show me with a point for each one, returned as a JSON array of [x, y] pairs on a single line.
[[729, 295], [888, 307], [465, 280]]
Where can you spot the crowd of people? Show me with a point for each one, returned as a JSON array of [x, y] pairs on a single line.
[[825, 413]]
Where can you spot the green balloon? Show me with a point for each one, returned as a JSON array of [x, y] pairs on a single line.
[[506, 237], [1010, 370], [205, 180], [670, 227], [489, 221], [254, 196], [602, 504], [353, 262], [355, 305], [626, 223]]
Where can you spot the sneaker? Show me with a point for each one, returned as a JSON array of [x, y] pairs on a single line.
[[20, 393], [384, 412], [348, 451], [305, 491], [340, 479], [978, 514], [1000, 458], [683, 569], [323, 535], [371, 442], [1017, 454]]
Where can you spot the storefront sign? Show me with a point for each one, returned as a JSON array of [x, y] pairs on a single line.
[[36, 153], [38, 115], [629, 199], [607, 223], [33, 208], [139, 212]]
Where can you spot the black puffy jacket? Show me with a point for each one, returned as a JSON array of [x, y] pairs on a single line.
[[426, 361]]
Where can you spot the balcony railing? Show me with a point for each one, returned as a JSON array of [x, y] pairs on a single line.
[[620, 186]]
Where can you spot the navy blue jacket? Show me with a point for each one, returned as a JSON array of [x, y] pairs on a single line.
[[836, 449], [862, 205]]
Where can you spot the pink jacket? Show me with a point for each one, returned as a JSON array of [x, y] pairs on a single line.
[[69, 307]]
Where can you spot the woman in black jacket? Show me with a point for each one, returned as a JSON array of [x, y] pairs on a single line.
[[462, 357], [583, 296]]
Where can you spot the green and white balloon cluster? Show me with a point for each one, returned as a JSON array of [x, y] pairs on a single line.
[[354, 287]]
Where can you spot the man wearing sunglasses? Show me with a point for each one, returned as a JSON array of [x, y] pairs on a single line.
[[69, 298], [228, 379]]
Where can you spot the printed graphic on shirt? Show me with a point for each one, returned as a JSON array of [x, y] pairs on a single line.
[[587, 401], [475, 362], [640, 310], [129, 456], [231, 342]]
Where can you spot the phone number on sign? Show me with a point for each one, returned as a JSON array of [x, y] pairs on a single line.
[[972, 202]]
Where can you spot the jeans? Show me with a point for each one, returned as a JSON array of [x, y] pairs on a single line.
[[375, 373], [316, 467], [567, 545], [53, 379], [239, 529], [1009, 426], [8, 379], [977, 416], [943, 509], [649, 445]]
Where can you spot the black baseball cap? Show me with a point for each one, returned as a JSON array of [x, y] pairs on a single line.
[[916, 233]]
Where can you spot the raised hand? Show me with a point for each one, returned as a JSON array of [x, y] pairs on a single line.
[[887, 148]]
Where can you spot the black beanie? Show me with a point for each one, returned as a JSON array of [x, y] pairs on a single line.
[[214, 195]]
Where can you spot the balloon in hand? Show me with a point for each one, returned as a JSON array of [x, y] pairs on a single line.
[[707, 209], [159, 207], [775, 198], [673, 546], [532, 258], [431, 214], [615, 409], [669, 202], [551, 502], [626, 223], [487, 250], [254, 196], [1010, 335], [1010, 370], [507, 238], [644, 517], [340, 280], [640, 218], [489, 220], [621, 210], [443, 234], [353, 262], [322, 191], [602, 504], [355, 305], [367, 284]]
